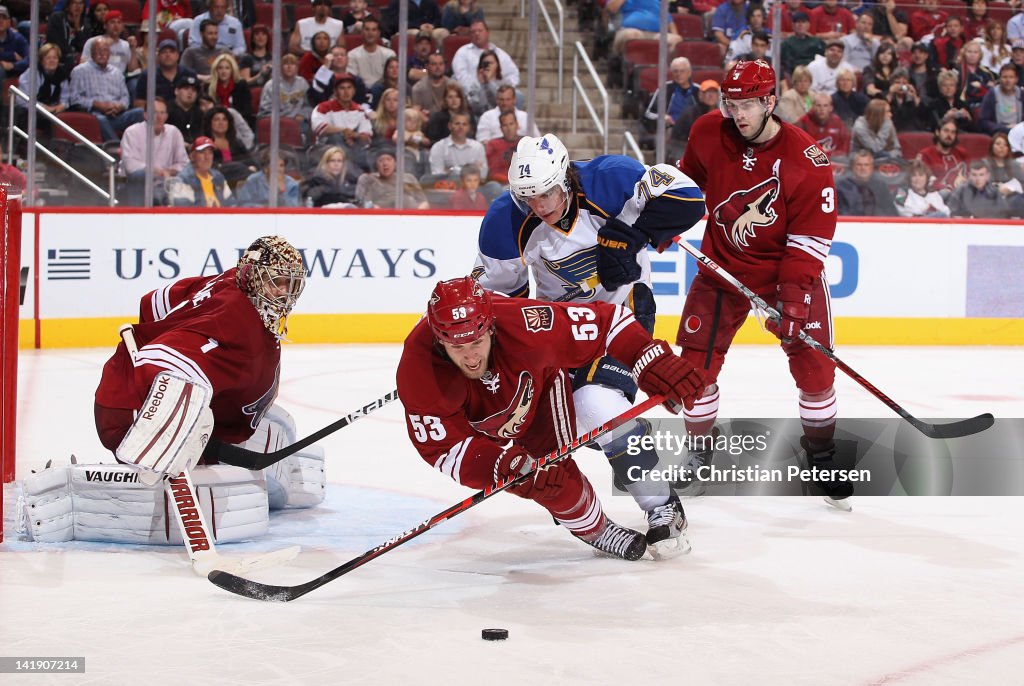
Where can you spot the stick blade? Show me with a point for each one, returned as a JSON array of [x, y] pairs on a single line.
[[252, 589], [964, 427]]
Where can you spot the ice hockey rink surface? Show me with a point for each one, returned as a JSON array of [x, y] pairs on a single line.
[[915, 591]]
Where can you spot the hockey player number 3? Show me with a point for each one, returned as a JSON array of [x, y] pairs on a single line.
[[427, 426], [828, 200], [583, 332]]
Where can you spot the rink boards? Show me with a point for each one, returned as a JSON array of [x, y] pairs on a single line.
[[893, 282]]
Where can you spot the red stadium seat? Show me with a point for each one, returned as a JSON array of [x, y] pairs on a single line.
[[642, 51], [265, 15], [131, 9], [82, 122], [291, 132], [301, 11], [451, 45], [913, 142], [700, 53], [255, 93], [353, 41], [976, 144], [701, 75], [689, 26]]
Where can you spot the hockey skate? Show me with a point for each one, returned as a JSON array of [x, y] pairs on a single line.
[[666, 530], [837, 493], [613, 540], [689, 485]]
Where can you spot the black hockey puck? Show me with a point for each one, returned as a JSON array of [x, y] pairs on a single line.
[[494, 634]]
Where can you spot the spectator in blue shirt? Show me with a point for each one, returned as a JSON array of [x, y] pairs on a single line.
[[255, 192], [728, 22], [681, 93], [641, 19], [13, 48]]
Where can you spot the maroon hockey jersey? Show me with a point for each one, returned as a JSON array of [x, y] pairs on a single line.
[[205, 329], [460, 425], [771, 207]]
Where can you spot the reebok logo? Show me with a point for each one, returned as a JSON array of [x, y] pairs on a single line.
[[156, 398], [812, 326]]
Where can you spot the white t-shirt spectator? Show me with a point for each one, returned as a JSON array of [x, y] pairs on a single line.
[[489, 126], [309, 28], [467, 59]]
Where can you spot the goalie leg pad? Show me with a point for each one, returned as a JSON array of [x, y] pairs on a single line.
[[275, 431], [298, 480], [111, 503], [170, 431]]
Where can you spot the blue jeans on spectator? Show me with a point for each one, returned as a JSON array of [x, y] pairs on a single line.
[[112, 128], [135, 190]]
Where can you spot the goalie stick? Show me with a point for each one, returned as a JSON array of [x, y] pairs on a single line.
[[259, 591], [195, 532], [251, 459], [957, 429]]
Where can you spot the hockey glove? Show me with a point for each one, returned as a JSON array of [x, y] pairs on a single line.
[[617, 246], [794, 306], [659, 371], [542, 484]]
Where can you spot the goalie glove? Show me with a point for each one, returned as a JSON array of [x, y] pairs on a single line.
[[617, 246], [659, 371], [543, 484], [794, 306]]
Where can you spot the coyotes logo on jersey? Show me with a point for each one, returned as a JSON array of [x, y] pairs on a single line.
[[741, 213], [506, 423]]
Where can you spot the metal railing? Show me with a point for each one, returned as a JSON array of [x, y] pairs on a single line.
[[578, 91], [111, 162], [557, 35], [629, 145]]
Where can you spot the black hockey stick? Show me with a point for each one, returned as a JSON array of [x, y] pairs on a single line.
[[583, 287], [259, 591], [958, 429], [250, 459]]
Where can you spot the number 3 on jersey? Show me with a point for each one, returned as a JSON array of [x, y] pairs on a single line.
[[583, 332], [426, 426], [828, 199]]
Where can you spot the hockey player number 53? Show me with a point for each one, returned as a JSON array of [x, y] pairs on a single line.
[[427, 426], [583, 332]]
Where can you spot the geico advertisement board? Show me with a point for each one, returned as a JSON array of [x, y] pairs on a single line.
[[95, 265], [98, 265]]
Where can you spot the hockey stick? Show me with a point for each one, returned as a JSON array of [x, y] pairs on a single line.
[[958, 429], [191, 519], [250, 459], [259, 591]]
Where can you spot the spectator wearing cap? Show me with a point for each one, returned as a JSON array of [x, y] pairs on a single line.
[[926, 20], [168, 71], [168, 155], [199, 58], [458, 15], [341, 121], [122, 56], [321, 87], [423, 16], [861, 45], [13, 48], [292, 93], [467, 58], [681, 94], [830, 21], [230, 35], [367, 61], [380, 187], [68, 29], [99, 88], [183, 112], [255, 191], [825, 127], [301, 37], [199, 184], [428, 93], [1002, 108], [422, 49], [800, 48], [825, 68], [707, 100]]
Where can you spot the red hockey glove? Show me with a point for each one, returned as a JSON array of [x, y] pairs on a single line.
[[794, 304], [659, 371], [543, 484]]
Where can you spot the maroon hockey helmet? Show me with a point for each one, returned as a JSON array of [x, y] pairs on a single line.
[[460, 311], [751, 79]]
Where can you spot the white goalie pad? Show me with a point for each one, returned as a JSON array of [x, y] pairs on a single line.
[[170, 431], [111, 503], [300, 479]]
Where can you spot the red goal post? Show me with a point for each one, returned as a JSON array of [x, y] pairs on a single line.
[[10, 303]]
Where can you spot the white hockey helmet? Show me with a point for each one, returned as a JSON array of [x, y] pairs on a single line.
[[538, 165]]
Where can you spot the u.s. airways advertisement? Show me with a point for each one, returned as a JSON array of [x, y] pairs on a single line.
[[893, 282]]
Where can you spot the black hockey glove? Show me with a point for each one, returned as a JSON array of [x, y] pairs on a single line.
[[617, 246]]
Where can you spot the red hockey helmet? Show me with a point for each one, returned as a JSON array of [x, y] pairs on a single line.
[[751, 79], [460, 311]]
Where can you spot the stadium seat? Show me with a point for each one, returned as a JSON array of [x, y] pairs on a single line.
[[255, 93], [701, 75], [353, 41], [700, 53], [913, 142], [451, 45], [82, 122], [689, 26], [976, 144], [290, 132], [131, 9], [265, 15]]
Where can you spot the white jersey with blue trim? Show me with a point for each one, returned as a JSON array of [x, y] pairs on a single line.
[[511, 241]]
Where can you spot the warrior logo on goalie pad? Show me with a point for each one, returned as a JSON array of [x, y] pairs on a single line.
[[192, 523]]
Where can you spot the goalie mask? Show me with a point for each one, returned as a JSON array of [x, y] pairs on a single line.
[[539, 172], [271, 275], [460, 311]]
